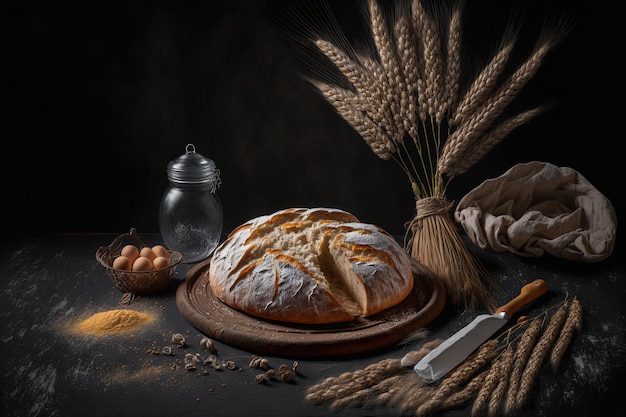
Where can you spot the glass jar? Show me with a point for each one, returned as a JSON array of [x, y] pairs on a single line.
[[190, 216]]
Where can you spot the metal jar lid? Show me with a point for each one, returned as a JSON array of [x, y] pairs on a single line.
[[193, 169]]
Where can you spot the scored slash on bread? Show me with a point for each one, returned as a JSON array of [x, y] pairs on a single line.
[[310, 266]]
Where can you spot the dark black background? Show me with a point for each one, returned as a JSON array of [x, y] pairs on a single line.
[[100, 95]]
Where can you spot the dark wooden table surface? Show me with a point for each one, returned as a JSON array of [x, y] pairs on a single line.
[[49, 281]]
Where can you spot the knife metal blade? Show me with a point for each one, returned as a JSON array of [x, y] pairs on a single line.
[[460, 345]]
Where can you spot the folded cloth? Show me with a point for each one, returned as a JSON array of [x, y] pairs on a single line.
[[536, 208]]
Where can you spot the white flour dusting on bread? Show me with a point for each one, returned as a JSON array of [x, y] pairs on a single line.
[[310, 266]]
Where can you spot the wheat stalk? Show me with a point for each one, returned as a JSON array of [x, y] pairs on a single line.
[[433, 65], [483, 85], [463, 141], [573, 324], [459, 376], [346, 104], [387, 382], [411, 399], [408, 60], [392, 76], [404, 91], [419, 20], [465, 394], [358, 108], [494, 136], [350, 68], [494, 377], [385, 398], [497, 378], [522, 353], [413, 72], [382, 393], [378, 100], [348, 383], [460, 272], [367, 395], [536, 359], [496, 397], [453, 59]]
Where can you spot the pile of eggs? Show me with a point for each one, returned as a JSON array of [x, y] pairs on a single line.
[[147, 258]]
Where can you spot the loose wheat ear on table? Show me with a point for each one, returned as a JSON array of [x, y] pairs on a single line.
[[401, 87], [496, 380]]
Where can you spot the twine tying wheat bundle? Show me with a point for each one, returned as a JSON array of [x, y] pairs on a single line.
[[405, 97], [496, 380], [436, 243]]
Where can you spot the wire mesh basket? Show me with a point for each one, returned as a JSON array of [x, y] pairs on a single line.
[[136, 282]]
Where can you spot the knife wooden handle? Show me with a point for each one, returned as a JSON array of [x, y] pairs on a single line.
[[529, 292]]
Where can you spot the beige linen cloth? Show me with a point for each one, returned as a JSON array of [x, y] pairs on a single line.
[[536, 208]]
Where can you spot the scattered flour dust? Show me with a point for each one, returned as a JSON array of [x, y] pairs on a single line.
[[113, 321], [123, 375], [120, 322], [596, 364]]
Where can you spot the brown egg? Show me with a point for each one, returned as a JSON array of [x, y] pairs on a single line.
[[147, 252], [122, 263], [161, 262], [131, 252], [160, 251], [143, 264]]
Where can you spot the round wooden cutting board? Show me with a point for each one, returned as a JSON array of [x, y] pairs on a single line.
[[208, 314]]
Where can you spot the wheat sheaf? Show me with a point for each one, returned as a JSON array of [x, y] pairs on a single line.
[[403, 95]]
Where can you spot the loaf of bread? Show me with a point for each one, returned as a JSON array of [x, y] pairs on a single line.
[[310, 266]]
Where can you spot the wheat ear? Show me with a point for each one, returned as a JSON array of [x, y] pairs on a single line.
[[394, 80], [409, 400], [360, 109], [429, 93], [465, 394], [496, 398], [387, 398], [494, 377], [453, 59], [485, 144], [483, 85], [382, 71], [418, 20], [348, 105], [367, 395], [522, 353], [346, 65], [463, 140], [369, 82], [409, 61], [573, 324], [459, 376], [536, 359], [378, 98], [350, 382], [384, 392]]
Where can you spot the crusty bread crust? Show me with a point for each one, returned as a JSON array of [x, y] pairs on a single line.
[[310, 266]]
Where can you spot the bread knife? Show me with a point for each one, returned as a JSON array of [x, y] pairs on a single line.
[[454, 350]]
